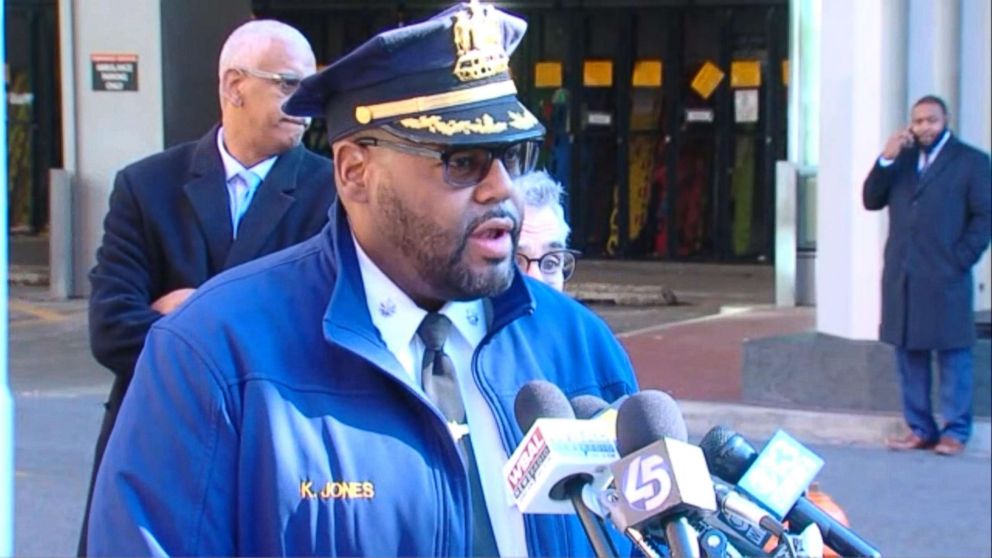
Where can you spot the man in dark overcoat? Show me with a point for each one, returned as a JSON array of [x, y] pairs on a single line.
[[177, 218], [939, 194]]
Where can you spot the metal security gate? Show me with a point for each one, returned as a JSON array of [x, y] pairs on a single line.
[[33, 110], [664, 118]]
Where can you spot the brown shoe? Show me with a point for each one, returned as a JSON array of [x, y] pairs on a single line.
[[949, 446], [908, 441]]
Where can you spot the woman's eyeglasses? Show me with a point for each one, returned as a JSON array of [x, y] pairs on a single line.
[[288, 83], [551, 263], [468, 166]]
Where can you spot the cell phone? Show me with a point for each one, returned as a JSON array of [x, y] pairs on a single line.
[[911, 142]]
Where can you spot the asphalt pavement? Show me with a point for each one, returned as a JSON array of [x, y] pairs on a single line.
[[907, 504]]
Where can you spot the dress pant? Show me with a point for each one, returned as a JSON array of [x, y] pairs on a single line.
[[956, 387]]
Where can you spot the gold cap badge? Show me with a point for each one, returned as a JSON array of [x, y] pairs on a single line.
[[479, 43]]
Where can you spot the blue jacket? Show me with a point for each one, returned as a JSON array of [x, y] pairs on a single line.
[[267, 417]]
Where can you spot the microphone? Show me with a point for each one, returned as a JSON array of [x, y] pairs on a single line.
[[807, 544], [588, 406], [733, 504], [731, 457], [559, 460], [660, 479], [592, 407]]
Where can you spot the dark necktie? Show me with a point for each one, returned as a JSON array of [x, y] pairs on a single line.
[[441, 386]]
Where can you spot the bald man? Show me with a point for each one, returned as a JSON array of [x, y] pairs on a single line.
[[245, 189]]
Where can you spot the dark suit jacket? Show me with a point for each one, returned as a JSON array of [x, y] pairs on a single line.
[[169, 227], [939, 225]]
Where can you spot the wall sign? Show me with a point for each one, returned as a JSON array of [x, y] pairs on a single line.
[[745, 73], [114, 72], [647, 73], [699, 115], [707, 79], [746, 105], [597, 73], [547, 74], [596, 118]]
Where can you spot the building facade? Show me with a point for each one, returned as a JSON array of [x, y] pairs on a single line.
[[666, 118]]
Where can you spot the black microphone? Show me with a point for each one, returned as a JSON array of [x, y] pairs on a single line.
[[556, 460], [730, 456], [660, 479]]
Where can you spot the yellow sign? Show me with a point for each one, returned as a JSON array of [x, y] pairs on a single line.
[[707, 79], [745, 73], [597, 73], [785, 72], [647, 73], [547, 74]]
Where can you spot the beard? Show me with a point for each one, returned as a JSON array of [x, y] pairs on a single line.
[[438, 254]]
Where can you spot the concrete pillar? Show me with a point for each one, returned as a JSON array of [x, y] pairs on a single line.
[[863, 69], [932, 47], [108, 129], [975, 106]]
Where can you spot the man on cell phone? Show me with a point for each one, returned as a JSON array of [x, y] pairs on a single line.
[[939, 194]]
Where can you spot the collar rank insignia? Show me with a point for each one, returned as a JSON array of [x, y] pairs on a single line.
[[387, 307]]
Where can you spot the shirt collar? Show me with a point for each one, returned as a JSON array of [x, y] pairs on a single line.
[[233, 167], [397, 316], [936, 150]]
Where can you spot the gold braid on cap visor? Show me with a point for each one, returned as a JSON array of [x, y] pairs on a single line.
[[368, 113]]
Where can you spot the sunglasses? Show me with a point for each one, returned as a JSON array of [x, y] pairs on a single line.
[[288, 83], [468, 166]]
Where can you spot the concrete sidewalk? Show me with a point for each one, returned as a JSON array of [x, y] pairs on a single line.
[[699, 361]]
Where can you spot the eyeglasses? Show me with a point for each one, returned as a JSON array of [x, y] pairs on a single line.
[[553, 262], [468, 166], [288, 83]]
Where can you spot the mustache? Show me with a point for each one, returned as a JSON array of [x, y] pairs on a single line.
[[500, 212], [496, 213]]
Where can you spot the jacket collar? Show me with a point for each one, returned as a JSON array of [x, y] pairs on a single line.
[[275, 196], [206, 191], [207, 194], [945, 158], [347, 321]]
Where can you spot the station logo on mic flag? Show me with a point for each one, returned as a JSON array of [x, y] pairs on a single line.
[[647, 482], [531, 455], [665, 478], [554, 449], [780, 473]]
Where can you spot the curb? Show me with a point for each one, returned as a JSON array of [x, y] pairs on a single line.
[[815, 427], [623, 295]]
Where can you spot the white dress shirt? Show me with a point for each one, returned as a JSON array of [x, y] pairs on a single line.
[[239, 191], [397, 318]]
